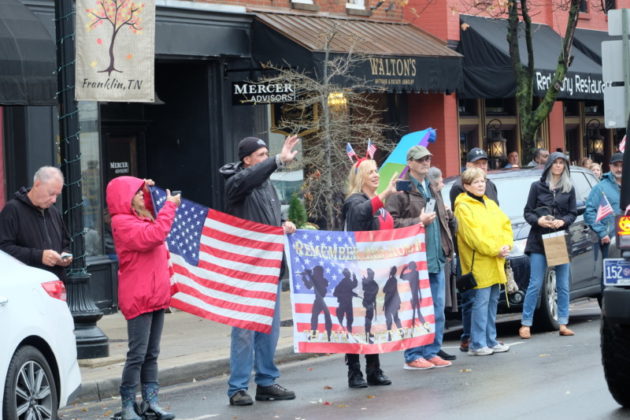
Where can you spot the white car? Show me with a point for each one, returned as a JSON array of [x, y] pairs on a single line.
[[39, 371]]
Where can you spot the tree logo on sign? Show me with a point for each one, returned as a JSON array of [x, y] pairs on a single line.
[[119, 14]]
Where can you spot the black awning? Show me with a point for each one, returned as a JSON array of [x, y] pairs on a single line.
[[488, 70], [590, 43], [400, 56], [27, 58]]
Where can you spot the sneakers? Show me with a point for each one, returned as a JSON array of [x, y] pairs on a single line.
[[500, 348], [483, 351], [419, 364], [241, 398], [273, 392], [463, 345], [438, 362]]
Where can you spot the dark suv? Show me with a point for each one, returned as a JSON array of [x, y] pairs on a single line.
[[586, 261]]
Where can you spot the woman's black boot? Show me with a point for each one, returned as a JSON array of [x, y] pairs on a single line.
[[355, 377], [375, 375]]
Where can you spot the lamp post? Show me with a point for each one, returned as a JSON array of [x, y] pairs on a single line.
[[91, 341], [496, 143]]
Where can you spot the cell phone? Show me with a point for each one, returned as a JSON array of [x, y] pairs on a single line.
[[430, 207], [403, 185], [66, 255], [176, 192]]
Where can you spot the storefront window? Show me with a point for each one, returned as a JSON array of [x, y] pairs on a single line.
[[500, 106], [287, 180], [91, 178], [467, 107]]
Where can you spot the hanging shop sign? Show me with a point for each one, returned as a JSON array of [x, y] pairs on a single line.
[[252, 93], [115, 51]]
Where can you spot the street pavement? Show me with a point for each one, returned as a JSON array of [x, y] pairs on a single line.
[[546, 377], [192, 349]]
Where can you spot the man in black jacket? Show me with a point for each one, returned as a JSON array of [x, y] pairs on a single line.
[[251, 196], [31, 227], [476, 158]]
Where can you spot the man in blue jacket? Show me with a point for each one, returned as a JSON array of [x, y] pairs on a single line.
[[609, 187]]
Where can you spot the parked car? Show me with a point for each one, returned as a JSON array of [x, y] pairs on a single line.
[[39, 371], [586, 261]]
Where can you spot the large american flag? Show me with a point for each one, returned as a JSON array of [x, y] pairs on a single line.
[[226, 269]]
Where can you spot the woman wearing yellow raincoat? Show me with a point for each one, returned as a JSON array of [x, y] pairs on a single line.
[[484, 239]]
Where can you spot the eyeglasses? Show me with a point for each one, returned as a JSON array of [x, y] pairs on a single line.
[[423, 159]]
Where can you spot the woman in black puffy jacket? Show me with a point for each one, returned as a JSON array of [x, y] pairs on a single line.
[[364, 210]]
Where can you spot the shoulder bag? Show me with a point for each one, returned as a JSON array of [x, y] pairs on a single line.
[[467, 281]]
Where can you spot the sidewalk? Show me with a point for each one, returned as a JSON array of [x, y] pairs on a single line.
[[192, 348]]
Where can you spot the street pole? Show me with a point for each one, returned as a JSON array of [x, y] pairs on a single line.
[[625, 193], [91, 341]]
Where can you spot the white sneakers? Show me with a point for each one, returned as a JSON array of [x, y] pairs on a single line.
[[483, 351], [500, 348], [487, 351]]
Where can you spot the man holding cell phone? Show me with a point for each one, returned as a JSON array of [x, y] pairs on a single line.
[[419, 202], [31, 227]]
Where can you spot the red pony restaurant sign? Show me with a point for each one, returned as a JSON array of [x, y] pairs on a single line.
[[115, 50]]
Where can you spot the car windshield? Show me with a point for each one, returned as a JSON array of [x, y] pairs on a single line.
[[513, 192]]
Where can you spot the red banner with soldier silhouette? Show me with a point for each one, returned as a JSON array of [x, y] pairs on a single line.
[[360, 292]]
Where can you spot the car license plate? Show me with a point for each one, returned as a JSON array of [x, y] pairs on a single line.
[[616, 272]]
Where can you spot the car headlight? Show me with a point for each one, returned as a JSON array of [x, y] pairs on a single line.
[[518, 248]]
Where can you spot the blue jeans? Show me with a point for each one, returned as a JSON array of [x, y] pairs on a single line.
[[254, 350], [483, 326], [143, 334], [538, 268], [437, 292], [467, 299]]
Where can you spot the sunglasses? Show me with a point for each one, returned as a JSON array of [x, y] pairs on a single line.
[[423, 159]]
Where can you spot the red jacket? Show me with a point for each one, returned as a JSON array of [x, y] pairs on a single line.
[[143, 273]]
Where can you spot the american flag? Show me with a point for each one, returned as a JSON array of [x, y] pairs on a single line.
[[371, 149], [358, 251], [350, 151], [604, 210], [226, 269]]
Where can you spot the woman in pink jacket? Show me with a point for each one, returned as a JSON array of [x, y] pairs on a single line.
[[143, 284]]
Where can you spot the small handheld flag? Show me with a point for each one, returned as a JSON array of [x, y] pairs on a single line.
[[350, 151], [371, 149], [604, 210]]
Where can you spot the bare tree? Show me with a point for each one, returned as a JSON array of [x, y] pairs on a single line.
[[348, 113]]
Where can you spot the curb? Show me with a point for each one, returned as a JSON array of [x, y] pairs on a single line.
[[106, 388]]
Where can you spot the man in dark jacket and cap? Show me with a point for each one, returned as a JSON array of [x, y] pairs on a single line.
[[476, 158], [31, 227], [251, 196]]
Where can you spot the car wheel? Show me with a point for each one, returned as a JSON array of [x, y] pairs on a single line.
[[30, 391], [546, 317], [615, 339]]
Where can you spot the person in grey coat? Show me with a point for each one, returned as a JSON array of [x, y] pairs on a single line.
[[251, 196]]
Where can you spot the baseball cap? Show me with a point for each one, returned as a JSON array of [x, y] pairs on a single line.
[[475, 154], [616, 157], [418, 152]]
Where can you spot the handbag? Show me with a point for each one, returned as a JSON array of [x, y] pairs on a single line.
[[467, 281], [511, 287]]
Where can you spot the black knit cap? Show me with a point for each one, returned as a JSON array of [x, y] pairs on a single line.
[[249, 145]]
